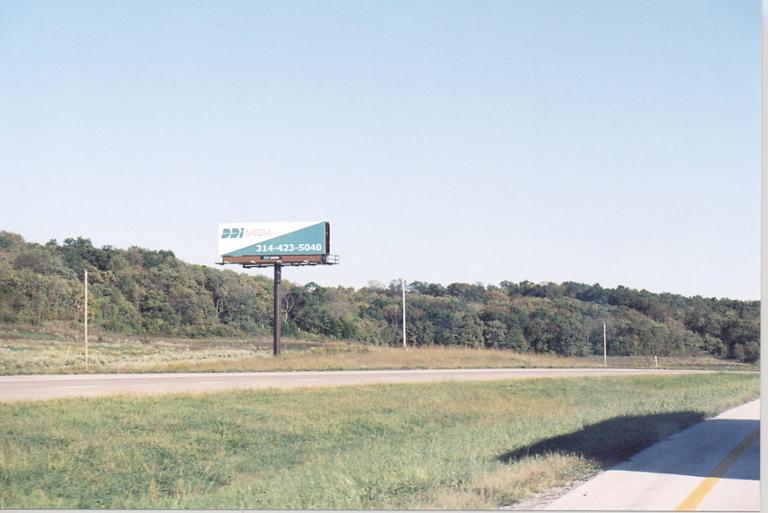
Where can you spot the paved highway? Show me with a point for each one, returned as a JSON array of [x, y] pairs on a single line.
[[39, 387], [712, 466]]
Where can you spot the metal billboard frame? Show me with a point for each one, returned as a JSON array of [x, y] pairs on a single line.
[[277, 262]]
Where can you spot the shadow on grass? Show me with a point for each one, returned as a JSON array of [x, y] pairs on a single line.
[[613, 440], [704, 446]]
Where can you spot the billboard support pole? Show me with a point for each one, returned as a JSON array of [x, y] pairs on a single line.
[[277, 320]]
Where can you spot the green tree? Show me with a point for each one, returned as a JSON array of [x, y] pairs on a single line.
[[494, 333]]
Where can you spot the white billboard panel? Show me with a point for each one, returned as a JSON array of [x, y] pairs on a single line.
[[274, 239]]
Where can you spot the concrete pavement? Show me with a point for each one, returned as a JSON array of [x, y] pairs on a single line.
[[39, 387], [712, 466]]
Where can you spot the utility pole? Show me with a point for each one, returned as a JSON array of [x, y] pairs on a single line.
[[605, 348], [402, 286], [85, 323]]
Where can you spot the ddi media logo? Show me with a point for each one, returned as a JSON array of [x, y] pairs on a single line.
[[232, 233]]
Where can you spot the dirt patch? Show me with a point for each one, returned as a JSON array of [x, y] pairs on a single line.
[[541, 499]]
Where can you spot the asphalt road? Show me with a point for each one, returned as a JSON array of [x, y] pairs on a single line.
[[712, 466], [40, 387]]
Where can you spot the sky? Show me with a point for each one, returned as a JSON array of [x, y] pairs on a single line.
[[605, 141]]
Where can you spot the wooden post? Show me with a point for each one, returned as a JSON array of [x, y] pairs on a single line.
[[85, 323], [402, 286], [605, 347]]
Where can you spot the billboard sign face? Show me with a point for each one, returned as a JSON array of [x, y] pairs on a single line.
[[274, 239]]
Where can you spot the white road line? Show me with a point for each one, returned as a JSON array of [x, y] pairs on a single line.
[[78, 386]]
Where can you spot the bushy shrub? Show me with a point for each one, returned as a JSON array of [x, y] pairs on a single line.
[[749, 352]]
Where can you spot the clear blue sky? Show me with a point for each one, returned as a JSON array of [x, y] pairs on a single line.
[[595, 141]]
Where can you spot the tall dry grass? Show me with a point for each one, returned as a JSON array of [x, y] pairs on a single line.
[[41, 351]]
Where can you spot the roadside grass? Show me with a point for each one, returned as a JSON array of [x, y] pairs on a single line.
[[49, 351], [469, 445]]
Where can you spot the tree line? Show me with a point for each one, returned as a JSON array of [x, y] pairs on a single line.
[[147, 292]]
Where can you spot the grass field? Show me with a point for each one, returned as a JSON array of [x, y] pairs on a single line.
[[27, 351], [446, 446]]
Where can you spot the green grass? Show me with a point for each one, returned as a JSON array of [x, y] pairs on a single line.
[[447, 445]]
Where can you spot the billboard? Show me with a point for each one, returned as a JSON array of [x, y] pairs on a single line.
[[274, 239]]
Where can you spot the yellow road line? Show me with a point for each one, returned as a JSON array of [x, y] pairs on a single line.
[[693, 500]]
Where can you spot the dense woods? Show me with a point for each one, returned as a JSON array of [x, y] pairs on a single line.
[[149, 292]]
